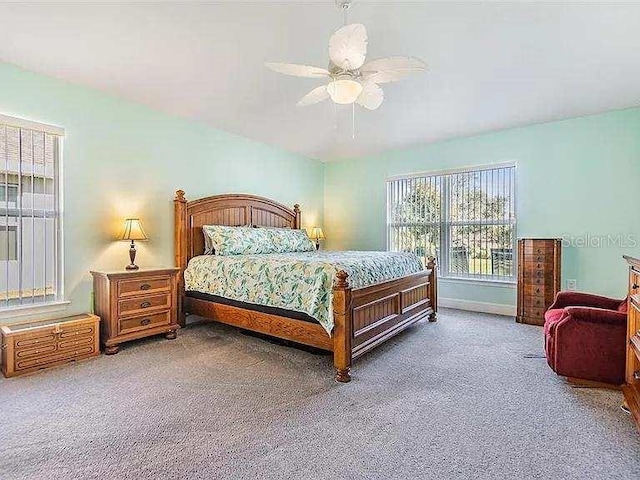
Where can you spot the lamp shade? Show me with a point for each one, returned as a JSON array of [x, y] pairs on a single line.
[[317, 233], [344, 91], [133, 230]]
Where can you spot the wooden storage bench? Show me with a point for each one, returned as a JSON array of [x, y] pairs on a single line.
[[33, 346]]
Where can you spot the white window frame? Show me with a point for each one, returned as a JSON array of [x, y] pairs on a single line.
[[446, 223], [59, 303]]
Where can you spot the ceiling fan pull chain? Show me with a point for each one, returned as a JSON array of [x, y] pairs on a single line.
[[335, 117], [353, 121]]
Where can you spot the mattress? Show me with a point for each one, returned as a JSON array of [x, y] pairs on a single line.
[[297, 281]]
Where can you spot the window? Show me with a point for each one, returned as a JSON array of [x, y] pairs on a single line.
[[30, 233], [8, 244], [9, 195], [466, 219]]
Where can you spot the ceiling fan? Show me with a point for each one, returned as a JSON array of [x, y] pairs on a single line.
[[350, 79]]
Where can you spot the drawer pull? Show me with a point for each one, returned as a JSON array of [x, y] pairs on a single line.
[[145, 321], [635, 286], [145, 286], [636, 375], [145, 304]]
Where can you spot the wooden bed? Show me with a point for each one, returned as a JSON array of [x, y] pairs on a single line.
[[363, 318]]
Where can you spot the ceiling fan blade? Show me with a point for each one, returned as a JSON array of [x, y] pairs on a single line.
[[348, 46], [295, 70], [392, 69], [316, 95], [371, 97]]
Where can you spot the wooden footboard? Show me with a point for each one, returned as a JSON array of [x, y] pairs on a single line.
[[366, 317]]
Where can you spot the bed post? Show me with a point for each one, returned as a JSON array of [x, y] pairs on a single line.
[[296, 210], [342, 328], [433, 288], [180, 248]]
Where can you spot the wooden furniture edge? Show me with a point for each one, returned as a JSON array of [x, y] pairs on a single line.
[[7, 357]]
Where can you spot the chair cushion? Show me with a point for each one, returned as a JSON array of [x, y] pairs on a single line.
[[552, 317], [623, 306]]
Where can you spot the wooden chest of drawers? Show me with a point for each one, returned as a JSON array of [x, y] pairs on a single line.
[[538, 277], [631, 388], [135, 304], [34, 346]]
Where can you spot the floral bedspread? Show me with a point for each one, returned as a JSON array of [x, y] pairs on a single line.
[[298, 281]]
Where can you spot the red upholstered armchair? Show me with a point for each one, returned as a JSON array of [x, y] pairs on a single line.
[[585, 337]]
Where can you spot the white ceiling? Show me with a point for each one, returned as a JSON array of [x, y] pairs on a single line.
[[491, 65]]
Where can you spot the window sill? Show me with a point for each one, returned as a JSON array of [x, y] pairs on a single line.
[[475, 281], [28, 310]]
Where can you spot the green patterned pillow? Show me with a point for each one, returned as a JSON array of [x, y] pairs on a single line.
[[238, 240], [290, 240]]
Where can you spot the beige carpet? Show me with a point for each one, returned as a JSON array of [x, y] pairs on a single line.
[[453, 399]]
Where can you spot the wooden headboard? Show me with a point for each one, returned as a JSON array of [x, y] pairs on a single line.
[[230, 209]]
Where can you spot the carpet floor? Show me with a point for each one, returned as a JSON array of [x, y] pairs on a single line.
[[466, 397]]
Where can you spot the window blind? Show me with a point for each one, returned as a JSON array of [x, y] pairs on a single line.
[[30, 233], [466, 219]]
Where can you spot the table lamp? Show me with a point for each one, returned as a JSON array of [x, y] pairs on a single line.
[[133, 231], [317, 234]]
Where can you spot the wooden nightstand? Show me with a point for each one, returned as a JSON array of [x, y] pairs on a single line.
[[135, 304]]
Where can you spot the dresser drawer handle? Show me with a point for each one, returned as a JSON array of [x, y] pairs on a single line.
[[636, 375], [145, 321], [537, 290], [635, 286], [145, 304], [145, 286]]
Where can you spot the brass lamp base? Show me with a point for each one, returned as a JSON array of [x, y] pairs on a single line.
[[132, 256]]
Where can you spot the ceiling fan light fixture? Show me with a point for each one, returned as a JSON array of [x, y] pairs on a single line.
[[344, 91]]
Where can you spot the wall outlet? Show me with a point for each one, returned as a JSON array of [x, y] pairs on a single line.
[[572, 284]]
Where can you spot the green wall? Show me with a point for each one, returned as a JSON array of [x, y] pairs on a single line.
[[577, 177], [122, 159]]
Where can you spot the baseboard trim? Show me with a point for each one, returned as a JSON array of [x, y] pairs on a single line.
[[484, 307]]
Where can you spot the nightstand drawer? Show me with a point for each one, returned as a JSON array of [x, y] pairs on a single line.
[[128, 288], [139, 305], [144, 322]]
